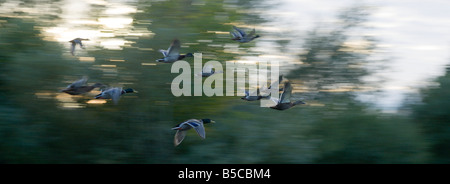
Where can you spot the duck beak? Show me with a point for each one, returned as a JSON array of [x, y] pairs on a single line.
[[135, 91], [212, 121]]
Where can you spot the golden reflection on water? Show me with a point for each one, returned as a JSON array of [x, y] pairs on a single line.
[[86, 59], [106, 29], [96, 101], [68, 101]]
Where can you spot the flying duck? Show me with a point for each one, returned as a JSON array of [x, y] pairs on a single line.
[[75, 42], [80, 87], [189, 124], [240, 35], [114, 93], [172, 54]]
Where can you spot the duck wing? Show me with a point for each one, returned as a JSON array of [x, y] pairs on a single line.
[[115, 93], [164, 52], [174, 49], [276, 100], [246, 93], [236, 35], [198, 127], [286, 95], [179, 137], [240, 31], [78, 83], [72, 48]]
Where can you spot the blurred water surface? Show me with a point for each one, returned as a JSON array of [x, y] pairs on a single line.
[[339, 63]]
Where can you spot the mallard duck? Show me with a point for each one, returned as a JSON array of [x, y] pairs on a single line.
[[172, 54], [285, 99], [186, 125], [79, 87], [240, 35], [114, 93], [74, 43]]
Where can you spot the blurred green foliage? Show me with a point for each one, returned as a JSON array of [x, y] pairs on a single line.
[[340, 130], [433, 117]]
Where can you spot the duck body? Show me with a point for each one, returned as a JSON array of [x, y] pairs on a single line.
[[284, 106], [241, 36], [207, 74], [195, 124], [172, 54], [81, 90], [80, 87], [74, 44], [253, 97], [114, 93]]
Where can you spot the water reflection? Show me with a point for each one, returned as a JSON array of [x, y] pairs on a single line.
[[105, 23]]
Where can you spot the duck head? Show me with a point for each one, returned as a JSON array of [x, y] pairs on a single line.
[[205, 121], [129, 90]]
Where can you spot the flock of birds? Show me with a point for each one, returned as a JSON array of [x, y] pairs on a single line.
[[171, 55]]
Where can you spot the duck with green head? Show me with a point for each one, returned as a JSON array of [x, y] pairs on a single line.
[[114, 93], [183, 127]]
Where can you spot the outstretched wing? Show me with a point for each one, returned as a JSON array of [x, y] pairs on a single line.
[[276, 100], [174, 49], [240, 31], [164, 52], [78, 83], [115, 94], [280, 78], [72, 48], [286, 95], [236, 35], [198, 127], [273, 85], [179, 137], [246, 93]]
